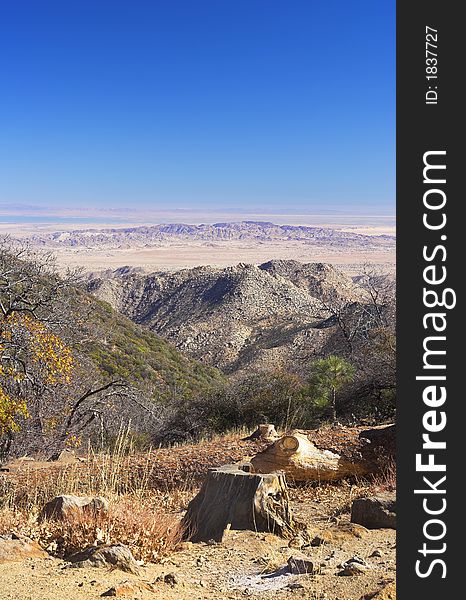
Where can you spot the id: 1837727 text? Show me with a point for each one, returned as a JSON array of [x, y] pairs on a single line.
[[431, 65]]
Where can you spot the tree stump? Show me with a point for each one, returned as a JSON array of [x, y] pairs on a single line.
[[231, 498], [265, 432]]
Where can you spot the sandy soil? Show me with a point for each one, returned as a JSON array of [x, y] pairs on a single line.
[[245, 564], [217, 255]]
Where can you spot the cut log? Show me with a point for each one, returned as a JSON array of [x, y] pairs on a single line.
[[265, 432], [231, 498], [301, 460]]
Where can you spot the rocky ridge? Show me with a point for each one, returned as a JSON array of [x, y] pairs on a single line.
[[234, 317]]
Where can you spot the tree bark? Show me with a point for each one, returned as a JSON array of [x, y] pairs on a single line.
[[232, 498], [334, 405]]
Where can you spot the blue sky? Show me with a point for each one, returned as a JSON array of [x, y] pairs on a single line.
[[248, 105]]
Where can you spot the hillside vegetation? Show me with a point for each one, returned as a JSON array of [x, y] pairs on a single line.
[[126, 350], [72, 368]]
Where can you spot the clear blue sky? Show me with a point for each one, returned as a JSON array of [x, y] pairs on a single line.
[[251, 104]]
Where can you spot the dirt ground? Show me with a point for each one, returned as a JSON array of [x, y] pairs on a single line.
[[244, 564]]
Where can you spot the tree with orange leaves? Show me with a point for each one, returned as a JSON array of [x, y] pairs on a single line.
[[31, 352], [49, 392]]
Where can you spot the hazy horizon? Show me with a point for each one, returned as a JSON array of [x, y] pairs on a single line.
[[125, 216]]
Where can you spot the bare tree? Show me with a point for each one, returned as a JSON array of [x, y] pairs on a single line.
[[358, 319]]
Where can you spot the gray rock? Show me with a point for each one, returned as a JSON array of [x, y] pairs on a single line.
[[375, 512], [300, 564], [171, 579], [116, 556], [65, 456]]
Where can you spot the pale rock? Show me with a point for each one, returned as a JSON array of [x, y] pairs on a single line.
[[62, 507], [14, 548]]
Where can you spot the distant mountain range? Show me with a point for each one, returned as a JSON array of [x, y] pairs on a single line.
[[257, 231]]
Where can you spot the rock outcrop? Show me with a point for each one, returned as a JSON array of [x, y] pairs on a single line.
[[236, 317]]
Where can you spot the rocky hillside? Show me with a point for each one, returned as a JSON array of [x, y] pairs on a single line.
[[236, 317], [255, 231]]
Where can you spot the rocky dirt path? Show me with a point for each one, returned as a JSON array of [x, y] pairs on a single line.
[[245, 564]]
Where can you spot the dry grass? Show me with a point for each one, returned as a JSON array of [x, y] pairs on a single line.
[[167, 477], [270, 560], [139, 516], [331, 500], [385, 481], [149, 533], [148, 492]]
